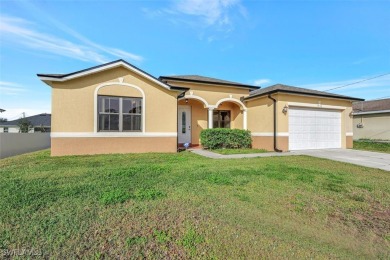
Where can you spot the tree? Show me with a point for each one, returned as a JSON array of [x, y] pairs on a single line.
[[24, 125], [2, 119], [41, 129]]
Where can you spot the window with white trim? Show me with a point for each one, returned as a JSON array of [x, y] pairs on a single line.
[[119, 114]]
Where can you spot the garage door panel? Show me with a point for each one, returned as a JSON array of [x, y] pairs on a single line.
[[314, 128]]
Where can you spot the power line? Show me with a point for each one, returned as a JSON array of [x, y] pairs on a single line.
[[374, 99], [359, 81], [378, 98]]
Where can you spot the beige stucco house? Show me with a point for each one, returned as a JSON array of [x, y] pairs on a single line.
[[371, 119], [118, 108]]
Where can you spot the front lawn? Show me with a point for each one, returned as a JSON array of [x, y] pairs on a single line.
[[373, 146], [186, 206], [239, 151]]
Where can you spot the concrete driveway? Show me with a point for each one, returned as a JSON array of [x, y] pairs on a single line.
[[364, 158]]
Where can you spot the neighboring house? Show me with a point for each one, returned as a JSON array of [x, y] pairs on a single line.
[[40, 123], [118, 108], [371, 119]]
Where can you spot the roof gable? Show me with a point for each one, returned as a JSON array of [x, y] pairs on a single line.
[[103, 67]]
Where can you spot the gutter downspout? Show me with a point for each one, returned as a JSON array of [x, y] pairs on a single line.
[[275, 145]]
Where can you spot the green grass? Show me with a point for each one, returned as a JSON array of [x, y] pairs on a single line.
[[239, 151], [186, 206], [368, 145]]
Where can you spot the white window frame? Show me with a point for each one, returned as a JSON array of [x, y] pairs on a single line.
[[95, 107], [120, 114]]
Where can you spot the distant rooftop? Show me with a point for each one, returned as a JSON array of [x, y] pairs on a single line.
[[36, 120], [295, 90], [203, 79], [373, 105]]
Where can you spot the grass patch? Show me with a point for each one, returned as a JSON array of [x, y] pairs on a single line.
[[114, 196], [219, 179], [191, 239], [161, 236], [373, 146], [239, 151], [131, 241], [148, 194], [180, 206]]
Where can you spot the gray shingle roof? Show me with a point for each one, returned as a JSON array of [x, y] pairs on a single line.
[[37, 120], [373, 105], [203, 79], [295, 90], [162, 79]]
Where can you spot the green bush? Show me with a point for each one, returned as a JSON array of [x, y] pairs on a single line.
[[217, 138]]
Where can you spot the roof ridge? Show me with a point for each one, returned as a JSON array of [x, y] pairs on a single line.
[[206, 79]]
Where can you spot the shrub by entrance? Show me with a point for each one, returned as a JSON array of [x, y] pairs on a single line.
[[217, 138]]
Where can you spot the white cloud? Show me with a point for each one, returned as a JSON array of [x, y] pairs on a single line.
[[20, 31], [10, 88], [259, 82], [206, 13], [210, 11], [7, 83], [122, 54]]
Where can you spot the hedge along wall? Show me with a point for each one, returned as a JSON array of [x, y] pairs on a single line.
[[216, 138]]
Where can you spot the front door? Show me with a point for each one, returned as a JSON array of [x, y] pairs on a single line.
[[184, 124]]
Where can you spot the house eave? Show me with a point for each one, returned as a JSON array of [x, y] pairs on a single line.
[[241, 86], [370, 112], [300, 94]]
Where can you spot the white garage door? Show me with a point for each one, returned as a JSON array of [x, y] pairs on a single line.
[[311, 128]]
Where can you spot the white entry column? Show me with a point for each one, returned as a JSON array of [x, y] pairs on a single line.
[[244, 120], [210, 123]]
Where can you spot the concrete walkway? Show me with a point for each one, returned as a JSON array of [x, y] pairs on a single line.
[[363, 158]]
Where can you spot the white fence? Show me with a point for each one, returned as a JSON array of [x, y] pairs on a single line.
[[18, 143]]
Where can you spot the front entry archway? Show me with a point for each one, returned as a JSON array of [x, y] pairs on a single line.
[[196, 122], [234, 101]]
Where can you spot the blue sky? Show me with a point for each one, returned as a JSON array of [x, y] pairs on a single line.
[[313, 44]]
